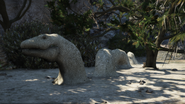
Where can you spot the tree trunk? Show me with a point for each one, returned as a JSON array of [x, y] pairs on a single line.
[[151, 57], [6, 22]]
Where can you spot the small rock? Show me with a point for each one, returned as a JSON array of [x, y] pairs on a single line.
[[50, 77], [142, 82], [103, 102], [140, 89], [149, 91], [129, 82], [53, 81], [174, 69], [3, 74]]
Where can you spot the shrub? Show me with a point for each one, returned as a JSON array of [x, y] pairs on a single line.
[[88, 48], [16, 34], [121, 42]]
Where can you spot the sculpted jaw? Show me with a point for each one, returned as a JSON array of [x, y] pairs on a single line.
[[49, 54], [30, 47]]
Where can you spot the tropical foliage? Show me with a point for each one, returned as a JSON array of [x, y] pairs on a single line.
[[148, 23]]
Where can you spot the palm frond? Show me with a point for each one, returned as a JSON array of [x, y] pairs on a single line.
[[178, 37]]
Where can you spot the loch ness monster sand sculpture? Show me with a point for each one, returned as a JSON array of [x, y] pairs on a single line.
[[54, 47]]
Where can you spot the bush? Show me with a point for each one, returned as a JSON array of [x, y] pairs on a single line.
[[74, 26], [88, 48], [3, 60], [18, 33], [121, 42]]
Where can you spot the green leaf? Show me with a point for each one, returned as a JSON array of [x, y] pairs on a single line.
[[137, 45], [134, 43], [87, 29], [180, 36], [110, 24]]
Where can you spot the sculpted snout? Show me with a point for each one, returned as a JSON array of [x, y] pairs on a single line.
[[34, 43], [41, 46]]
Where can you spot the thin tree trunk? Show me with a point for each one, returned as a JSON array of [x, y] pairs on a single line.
[[6, 22], [151, 57]]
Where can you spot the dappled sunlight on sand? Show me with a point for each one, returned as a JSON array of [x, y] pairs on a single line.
[[31, 80], [77, 90], [55, 93]]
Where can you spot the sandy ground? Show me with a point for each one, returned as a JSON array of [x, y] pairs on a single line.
[[32, 86]]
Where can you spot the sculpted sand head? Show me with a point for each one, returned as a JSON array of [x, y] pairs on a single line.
[[44, 46]]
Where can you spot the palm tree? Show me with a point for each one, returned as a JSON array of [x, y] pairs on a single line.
[[179, 22]]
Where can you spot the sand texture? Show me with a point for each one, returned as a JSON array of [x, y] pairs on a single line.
[[134, 85]]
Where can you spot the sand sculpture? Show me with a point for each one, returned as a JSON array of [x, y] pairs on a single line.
[[132, 58], [54, 47], [108, 61]]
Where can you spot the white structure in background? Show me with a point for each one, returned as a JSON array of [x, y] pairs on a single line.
[[108, 61], [132, 58]]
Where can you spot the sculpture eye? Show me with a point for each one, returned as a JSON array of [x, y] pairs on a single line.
[[44, 37]]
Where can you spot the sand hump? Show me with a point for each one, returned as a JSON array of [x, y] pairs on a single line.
[[54, 47], [107, 61], [132, 58], [104, 65], [120, 59]]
